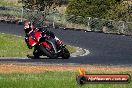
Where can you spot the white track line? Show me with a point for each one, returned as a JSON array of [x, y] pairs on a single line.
[[80, 52]]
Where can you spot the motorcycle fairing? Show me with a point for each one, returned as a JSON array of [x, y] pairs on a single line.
[[46, 45]]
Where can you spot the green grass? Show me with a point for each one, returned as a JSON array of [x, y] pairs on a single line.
[[72, 49], [14, 46], [49, 80], [9, 3]]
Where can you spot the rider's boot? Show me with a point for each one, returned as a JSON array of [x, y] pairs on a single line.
[[27, 42]]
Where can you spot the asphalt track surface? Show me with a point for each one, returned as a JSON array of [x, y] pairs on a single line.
[[105, 49]]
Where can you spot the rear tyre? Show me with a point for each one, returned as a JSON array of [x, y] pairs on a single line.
[[47, 53], [65, 53]]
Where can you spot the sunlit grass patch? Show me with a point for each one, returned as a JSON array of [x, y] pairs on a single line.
[[49, 79]]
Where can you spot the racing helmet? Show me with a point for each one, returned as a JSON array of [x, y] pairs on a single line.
[[28, 27]]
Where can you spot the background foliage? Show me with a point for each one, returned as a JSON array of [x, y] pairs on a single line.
[[106, 9], [40, 4]]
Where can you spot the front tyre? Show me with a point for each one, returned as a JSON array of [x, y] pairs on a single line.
[[47, 53], [65, 53]]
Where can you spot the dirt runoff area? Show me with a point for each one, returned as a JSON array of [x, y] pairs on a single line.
[[14, 68]]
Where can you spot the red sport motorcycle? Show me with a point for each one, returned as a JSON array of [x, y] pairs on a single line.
[[47, 45]]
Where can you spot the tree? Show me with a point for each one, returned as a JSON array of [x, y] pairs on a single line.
[[120, 12], [41, 5], [92, 8]]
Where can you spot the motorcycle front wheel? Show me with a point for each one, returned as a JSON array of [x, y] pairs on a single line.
[[47, 53], [65, 53]]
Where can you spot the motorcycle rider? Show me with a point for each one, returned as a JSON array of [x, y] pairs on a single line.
[[29, 30]]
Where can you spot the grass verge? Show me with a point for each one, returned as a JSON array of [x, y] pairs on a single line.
[[9, 3], [49, 79], [55, 76], [14, 46]]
